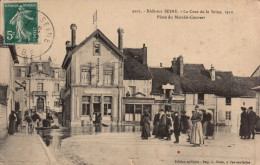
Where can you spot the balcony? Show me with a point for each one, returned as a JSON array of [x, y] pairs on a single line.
[[39, 93]]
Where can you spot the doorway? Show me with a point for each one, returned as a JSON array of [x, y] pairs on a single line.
[[96, 107], [40, 104]]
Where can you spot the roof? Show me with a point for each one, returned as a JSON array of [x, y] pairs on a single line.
[[136, 53], [163, 76], [255, 70], [196, 79], [12, 50], [134, 70], [98, 34], [243, 86]]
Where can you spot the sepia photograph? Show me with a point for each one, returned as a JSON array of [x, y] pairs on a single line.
[[141, 82]]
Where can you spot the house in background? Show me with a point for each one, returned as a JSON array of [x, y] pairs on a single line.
[[256, 73], [167, 89], [8, 58], [94, 79], [137, 85], [43, 81], [257, 89]]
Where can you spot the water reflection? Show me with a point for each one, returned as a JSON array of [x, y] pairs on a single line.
[[53, 137]]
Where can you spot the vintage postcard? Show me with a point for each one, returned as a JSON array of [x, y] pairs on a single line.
[[141, 82]]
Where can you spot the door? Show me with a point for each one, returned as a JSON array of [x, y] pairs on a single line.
[[40, 104], [96, 107]]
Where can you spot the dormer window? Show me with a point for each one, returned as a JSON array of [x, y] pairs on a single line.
[[97, 49], [39, 67]]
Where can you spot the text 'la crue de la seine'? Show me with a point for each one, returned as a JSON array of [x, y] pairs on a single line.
[[182, 14]]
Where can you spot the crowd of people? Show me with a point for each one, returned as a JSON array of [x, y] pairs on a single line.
[[248, 123], [198, 127]]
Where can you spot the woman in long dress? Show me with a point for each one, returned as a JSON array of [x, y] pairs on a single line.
[[196, 133], [145, 123], [12, 123], [156, 125]]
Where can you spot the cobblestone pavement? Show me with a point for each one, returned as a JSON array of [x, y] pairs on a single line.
[[128, 148], [22, 149]]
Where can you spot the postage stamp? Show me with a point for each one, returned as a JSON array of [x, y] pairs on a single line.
[[21, 23]]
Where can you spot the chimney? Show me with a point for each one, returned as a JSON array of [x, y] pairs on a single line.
[[145, 55], [68, 46], [180, 65], [160, 65], [73, 28], [174, 65], [212, 73], [120, 38]]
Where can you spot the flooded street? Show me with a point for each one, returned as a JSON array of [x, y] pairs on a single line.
[[96, 145]]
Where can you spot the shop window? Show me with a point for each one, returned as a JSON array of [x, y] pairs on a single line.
[[228, 115], [107, 105], [129, 108], [201, 98], [40, 87], [56, 104], [85, 105], [85, 75], [97, 51], [138, 109], [108, 75], [228, 100]]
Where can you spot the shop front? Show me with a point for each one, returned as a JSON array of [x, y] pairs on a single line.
[[134, 107]]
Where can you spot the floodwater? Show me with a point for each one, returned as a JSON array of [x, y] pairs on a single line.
[[67, 132]]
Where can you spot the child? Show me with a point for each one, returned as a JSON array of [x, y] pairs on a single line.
[[189, 127]]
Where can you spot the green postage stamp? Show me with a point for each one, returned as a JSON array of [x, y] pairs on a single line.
[[21, 23]]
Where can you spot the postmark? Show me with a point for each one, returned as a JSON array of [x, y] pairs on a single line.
[[20, 23], [46, 34]]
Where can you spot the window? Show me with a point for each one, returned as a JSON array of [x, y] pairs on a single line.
[[56, 104], [56, 74], [228, 115], [228, 100], [108, 75], [40, 87], [85, 105], [201, 98], [168, 93], [85, 75], [107, 105], [97, 49], [56, 87]]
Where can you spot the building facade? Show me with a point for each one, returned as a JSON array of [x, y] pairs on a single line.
[[43, 81], [94, 79], [8, 58]]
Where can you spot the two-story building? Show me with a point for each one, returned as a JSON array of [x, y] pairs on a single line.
[[94, 79], [137, 84], [8, 58], [43, 81]]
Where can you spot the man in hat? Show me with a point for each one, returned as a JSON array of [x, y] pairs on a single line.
[[251, 123], [243, 132], [176, 126]]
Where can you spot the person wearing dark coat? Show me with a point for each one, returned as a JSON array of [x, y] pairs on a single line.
[[98, 119], [156, 124], [145, 123], [183, 122], [243, 132], [162, 125], [176, 127], [12, 123], [169, 127], [210, 126], [251, 123]]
